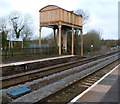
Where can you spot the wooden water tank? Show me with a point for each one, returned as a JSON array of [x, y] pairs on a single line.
[[54, 14]]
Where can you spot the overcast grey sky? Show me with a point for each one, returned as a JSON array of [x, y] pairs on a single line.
[[103, 13]]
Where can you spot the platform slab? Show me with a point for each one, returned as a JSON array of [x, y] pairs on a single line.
[[107, 90]]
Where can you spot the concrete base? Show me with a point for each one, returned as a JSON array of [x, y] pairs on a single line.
[[104, 91]]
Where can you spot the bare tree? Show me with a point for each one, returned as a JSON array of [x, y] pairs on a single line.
[[82, 13], [3, 24], [19, 23], [3, 32], [26, 34]]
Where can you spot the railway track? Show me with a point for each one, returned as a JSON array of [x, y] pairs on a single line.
[[79, 85], [60, 80], [65, 95], [21, 78]]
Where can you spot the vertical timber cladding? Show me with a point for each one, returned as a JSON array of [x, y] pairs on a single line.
[[58, 18]]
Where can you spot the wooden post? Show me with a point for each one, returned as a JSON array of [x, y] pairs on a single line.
[[9, 44], [81, 50], [40, 35], [65, 41], [60, 39], [72, 41], [58, 36], [22, 44]]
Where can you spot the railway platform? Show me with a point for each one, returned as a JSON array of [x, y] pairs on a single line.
[[31, 65], [104, 90], [33, 61]]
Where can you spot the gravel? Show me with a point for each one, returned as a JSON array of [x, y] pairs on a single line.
[[52, 88], [55, 86]]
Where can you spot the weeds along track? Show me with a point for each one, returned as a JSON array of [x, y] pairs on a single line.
[[49, 87], [21, 78]]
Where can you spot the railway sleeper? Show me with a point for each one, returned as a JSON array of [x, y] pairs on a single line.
[[85, 83]]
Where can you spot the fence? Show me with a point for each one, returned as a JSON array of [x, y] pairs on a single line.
[[14, 52]]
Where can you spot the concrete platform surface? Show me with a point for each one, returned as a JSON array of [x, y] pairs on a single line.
[[105, 90], [32, 61]]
